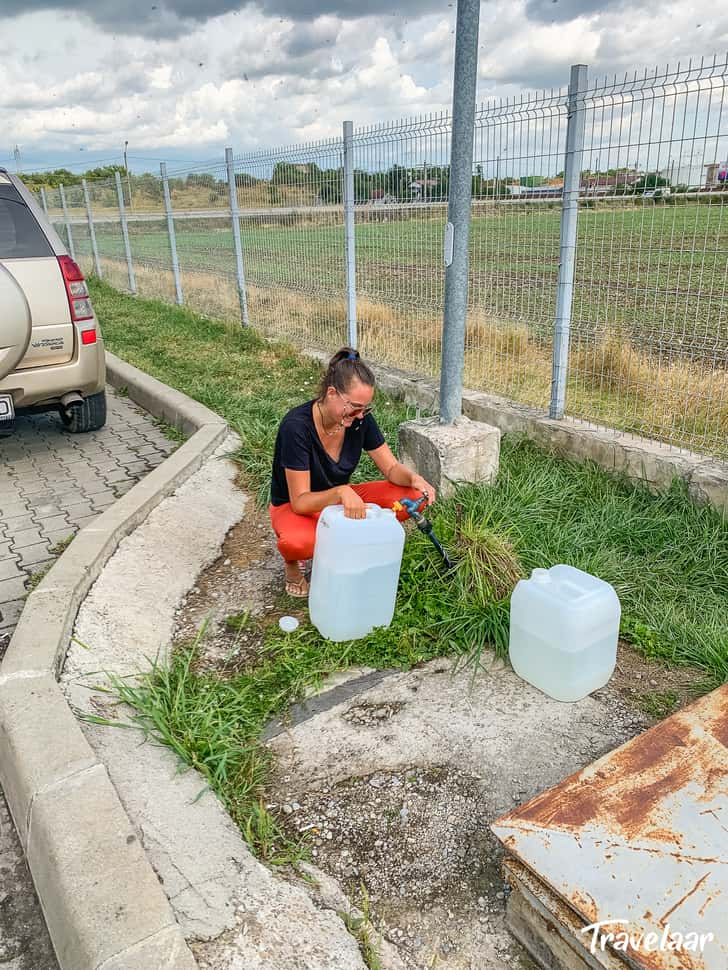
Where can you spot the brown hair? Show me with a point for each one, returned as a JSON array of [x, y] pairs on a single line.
[[345, 367]]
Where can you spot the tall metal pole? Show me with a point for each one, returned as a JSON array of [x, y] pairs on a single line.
[[125, 233], [567, 253], [71, 247], [172, 237], [457, 234], [44, 202], [235, 216], [349, 230], [128, 179], [91, 231]]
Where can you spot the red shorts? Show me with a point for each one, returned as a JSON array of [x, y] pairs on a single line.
[[297, 533]]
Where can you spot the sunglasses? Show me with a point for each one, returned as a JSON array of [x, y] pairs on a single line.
[[361, 409]]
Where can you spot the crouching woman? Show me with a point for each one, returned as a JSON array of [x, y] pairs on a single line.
[[317, 449]]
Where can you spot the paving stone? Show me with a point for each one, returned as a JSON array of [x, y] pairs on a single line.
[[34, 487], [122, 488], [25, 538], [60, 536], [9, 569], [12, 589], [52, 523], [15, 524], [117, 476], [137, 468], [30, 555], [9, 509], [10, 614], [48, 509], [77, 511], [103, 495]]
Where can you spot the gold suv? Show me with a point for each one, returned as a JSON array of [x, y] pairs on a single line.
[[51, 351]]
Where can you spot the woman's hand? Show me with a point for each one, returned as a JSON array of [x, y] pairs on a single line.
[[354, 507], [421, 485]]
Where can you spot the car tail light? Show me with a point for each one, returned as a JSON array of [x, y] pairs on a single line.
[[78, 298]]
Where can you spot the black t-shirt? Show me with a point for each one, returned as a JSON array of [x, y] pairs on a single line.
[[299, 448]]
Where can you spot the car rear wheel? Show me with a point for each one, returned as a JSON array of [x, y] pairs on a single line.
[[89, 416]]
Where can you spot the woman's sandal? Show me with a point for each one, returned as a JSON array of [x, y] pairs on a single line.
[[297, 590]]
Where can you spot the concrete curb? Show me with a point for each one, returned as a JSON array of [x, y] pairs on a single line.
[[101, 899], [639, 458]]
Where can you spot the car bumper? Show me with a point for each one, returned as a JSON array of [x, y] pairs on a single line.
[[39, 386]]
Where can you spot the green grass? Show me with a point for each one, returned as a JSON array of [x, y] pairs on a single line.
[[666, 557]]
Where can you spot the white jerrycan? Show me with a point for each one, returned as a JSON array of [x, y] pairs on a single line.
[[564, 631], [355, 572]]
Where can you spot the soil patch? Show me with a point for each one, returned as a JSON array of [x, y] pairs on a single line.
[[413, 847]]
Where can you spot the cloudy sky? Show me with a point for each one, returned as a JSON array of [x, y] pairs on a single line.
[[180, 79]]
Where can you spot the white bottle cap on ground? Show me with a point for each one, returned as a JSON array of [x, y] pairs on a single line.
[[288, 624]]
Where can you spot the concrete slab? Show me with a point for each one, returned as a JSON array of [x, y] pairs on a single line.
[[81, 847], [449, 454], [36, 734], [402, 802]]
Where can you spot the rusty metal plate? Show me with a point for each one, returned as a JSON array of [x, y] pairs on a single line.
[[641, 836]]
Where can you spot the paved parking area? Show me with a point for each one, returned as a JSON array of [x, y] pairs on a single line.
[[51, 484]]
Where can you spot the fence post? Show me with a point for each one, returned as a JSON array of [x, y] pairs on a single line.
[[125, 232], [71, 247], [457, 233], [235, 216], [170, 229], [349, 231], [91, 231], [567, 245], [44, 202]]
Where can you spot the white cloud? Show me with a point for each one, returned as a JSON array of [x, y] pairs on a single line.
[[253, 78]]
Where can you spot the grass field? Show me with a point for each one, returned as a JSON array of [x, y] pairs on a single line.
[[648, 268], [649, 350]]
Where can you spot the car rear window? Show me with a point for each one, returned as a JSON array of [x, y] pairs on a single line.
[[20, 235]]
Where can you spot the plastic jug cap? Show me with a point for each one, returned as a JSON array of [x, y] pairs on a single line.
[[540, 576], [288, 624]]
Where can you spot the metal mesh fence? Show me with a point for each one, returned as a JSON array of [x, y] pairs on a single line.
[[649, 348], [649, 338], [292, 230]]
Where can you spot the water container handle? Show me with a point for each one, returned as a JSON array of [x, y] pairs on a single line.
[[372, 507]]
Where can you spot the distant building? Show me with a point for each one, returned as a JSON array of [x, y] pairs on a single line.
[[422, 189], [609, 184], [589, 185]]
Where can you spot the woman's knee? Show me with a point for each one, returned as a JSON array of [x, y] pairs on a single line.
[[296, 546]]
